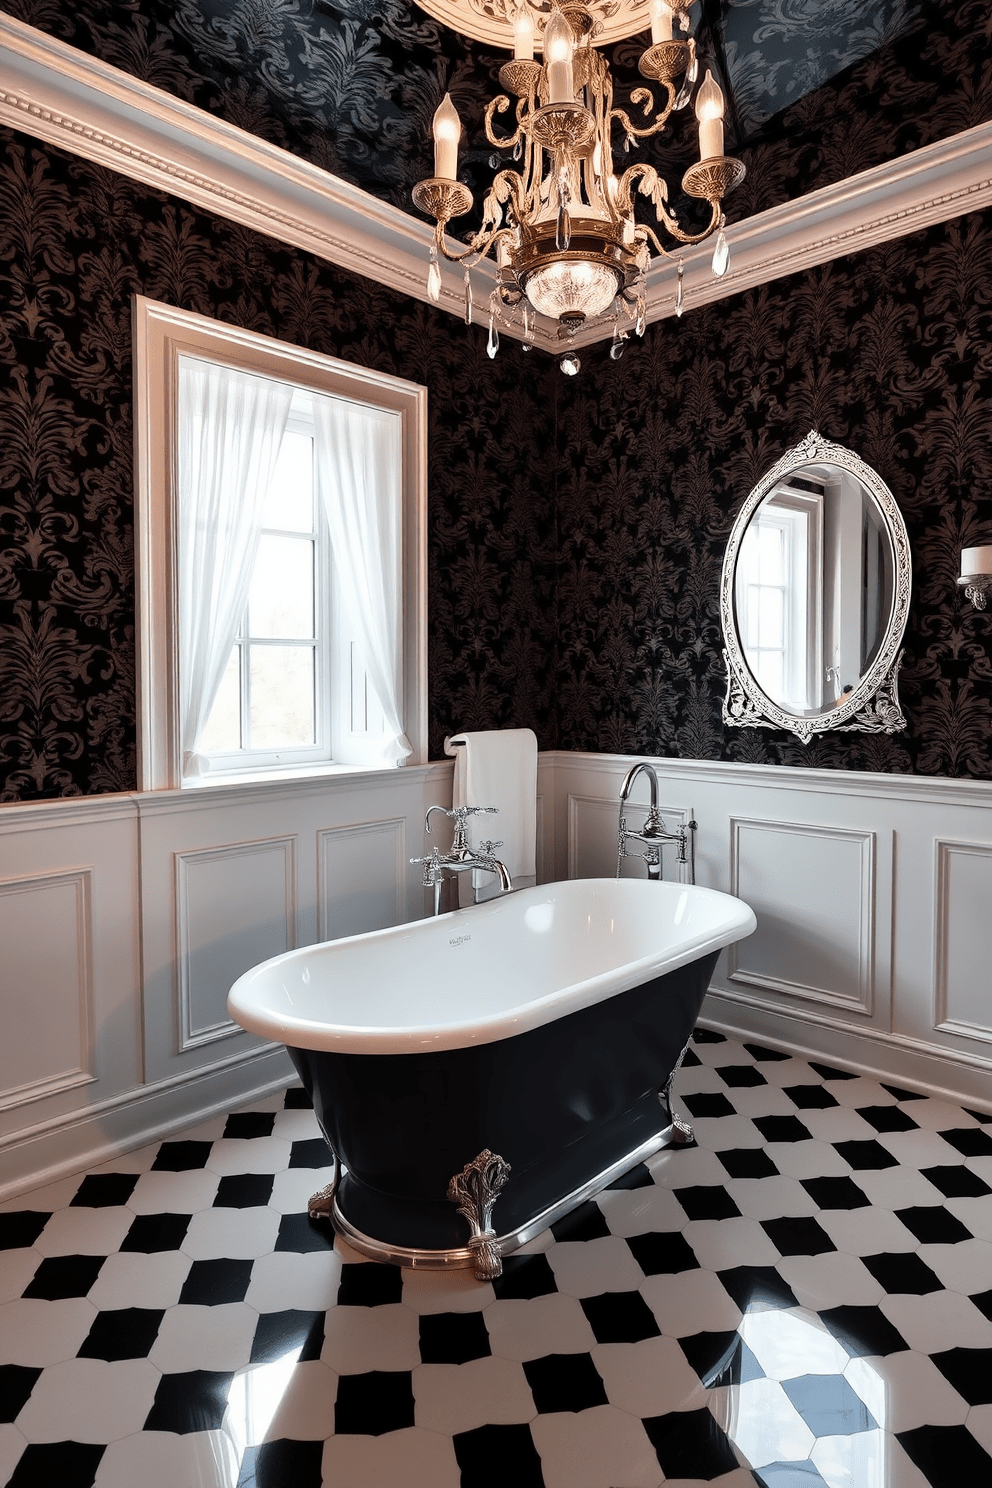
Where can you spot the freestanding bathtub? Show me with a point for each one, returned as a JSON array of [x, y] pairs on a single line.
[[518, 1054]]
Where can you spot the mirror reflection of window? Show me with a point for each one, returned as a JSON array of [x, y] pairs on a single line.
[[778, 596]]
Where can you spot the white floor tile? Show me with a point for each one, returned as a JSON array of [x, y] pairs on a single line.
[[979, 1423], [406, 1459], [160, 1459], [760, 1100], [859, 1458], [12, 1444], [833, 1279], [174, 1193], [770, 1198], [49, 1198], [649, 1378], [595, 1448], [89, 1400], [810, 1160], [305, 1412], [938, 1321], [917, 1394], [462, 1397], [897, 1188], [293, 1187], [974, 1214], [684, 1167], [249, 1155], [296, 1126], [766, 1427], [964, 1268], [918, 1149], [16, 1269], [195, 1337], [84, 1232], [529, 1329], [720, 1244], [360, 1339], [866, 1231], [690, 1302], [587, 1267], [133, 1279], [37, 1334], [240, 1234], [634, 1211], [790, 1344], [444, 1291], [287, 1280], [836, 1124]]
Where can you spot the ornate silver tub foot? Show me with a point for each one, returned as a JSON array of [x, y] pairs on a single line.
[[682, 1133], [321, 1204], [475, 1190]]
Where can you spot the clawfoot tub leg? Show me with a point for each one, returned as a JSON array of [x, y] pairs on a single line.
[[320, 1204], [475, 1190], [682, 1133]]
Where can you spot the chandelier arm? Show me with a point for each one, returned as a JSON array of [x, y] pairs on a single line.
[[625, 198], [499, 105], [480, 244], [660, 120]]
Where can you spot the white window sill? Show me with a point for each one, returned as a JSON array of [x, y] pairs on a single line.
[[228, 778]]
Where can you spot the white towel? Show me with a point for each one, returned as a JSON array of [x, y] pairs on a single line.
[[498, 768]]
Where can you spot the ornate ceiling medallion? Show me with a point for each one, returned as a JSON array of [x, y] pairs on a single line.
[[492, 21]]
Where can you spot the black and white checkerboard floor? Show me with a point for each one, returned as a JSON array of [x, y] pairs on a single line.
[[802, 1299]]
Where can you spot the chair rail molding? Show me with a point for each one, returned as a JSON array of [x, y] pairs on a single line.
[[80, 104]]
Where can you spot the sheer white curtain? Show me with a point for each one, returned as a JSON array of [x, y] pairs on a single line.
[[358, 453], [230, 428]]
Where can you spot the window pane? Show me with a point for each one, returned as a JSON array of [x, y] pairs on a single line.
[[289, 503], [280, 601], [282, 687], [223, 730], [771, 618]]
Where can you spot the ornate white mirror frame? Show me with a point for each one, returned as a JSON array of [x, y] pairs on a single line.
[[872, 705]]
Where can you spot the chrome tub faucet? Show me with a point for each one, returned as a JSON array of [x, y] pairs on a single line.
[[460, 857], [653, 833]]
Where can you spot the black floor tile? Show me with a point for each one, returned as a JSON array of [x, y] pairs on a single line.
[[191, 1401], [244, 1191], [300, 1233], [955, 1181], [283, 1464], [620, 1317], [638, 1177], [453, 1337], [888, 1118], [122, 1333], [828, 1072], [250, 1124], [690, 1058], [758, 1286], [985, 1117], [902, 1271], [828, 1405], [707, 1202], [314, 1153], [708, 1103], [587, 1222], [663, 1253], [368, 1284], [371, 1404], [897, 1092], [782, 1129], [789, 1475], [712, 1356], [498, 1456], [866, 1156], [525, 1276], [21, 1227], [64, 1276], [68, 1464], [212, 1283], [948, 1456], [740, 1075], [970, 1141], [863, 1331], [969, 1370], [811, 1097], [564, 1382], [154, 1232], [798, 1235], [933, 1225], [297, 1099], [690, 1444], [708, 1036], [16, 1384], [766, 1056], [178, 1157], [748, 1162], [280, 1333], [983, 1301], [104, 1190], [835, 1193]]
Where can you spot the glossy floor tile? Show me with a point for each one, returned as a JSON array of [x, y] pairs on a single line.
[[802, 1300]]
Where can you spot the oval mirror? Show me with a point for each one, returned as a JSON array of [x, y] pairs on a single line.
[[814, 597]]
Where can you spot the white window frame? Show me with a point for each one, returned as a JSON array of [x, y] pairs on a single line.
[[162, 333]]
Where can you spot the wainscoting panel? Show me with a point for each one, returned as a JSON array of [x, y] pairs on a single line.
[[361, 875], [236, 906], [962, 966], [46, 978], [812, 888]]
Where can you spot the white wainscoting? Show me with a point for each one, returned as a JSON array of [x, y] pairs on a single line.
[[873, 895]]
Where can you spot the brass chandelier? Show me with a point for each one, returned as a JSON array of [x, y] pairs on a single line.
[[561, 225]]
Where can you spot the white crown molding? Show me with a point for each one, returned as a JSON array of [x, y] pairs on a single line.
[[69, 99]]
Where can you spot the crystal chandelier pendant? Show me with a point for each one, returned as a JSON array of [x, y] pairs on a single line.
[[563, 231], [679, 293], [570, 364], [492, 345], [468, 298], [721, 255], [617, 346], [434, 277]]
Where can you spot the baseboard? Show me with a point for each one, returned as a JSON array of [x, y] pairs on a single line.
[[148, 1114]]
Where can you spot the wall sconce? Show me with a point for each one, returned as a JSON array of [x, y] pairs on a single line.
[[976, 575]]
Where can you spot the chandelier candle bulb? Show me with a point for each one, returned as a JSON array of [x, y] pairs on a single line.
[[558, 51], [661, 22], [523, 35], [709, 112], [447, 133]]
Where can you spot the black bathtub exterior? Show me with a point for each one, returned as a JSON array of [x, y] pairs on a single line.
[[560, 1103]]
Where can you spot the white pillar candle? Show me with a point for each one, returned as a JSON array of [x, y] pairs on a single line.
[[976, 561], [661, 22], [709, 112], [559, 46], [447, 133], [523, 34]]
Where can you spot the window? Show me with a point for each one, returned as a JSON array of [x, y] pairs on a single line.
[[281, 566], [778, 598]]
